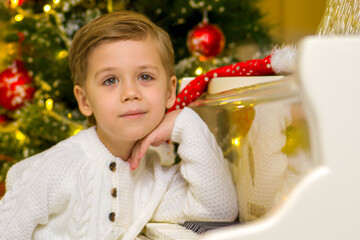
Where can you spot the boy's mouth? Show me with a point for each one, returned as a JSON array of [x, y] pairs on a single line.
[[133, 114]]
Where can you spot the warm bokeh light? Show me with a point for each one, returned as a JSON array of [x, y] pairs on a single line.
[[76, 131], [49, 104], [199, 71], [235, 141], [19, 17], [19, 136], [14, 3], [63, 54], [47, 8]]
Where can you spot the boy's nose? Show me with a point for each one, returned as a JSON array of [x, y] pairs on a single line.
[[130, 91]]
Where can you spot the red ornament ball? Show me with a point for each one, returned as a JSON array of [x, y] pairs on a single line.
[[206, 41], [15, 86]]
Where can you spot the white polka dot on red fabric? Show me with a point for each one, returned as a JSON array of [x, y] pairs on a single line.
[[268, 65]]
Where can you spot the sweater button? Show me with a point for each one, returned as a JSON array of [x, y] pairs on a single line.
[[112, 216], [112, 166], [114, 192]]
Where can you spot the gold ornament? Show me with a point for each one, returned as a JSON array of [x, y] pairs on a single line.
[[242, 118]]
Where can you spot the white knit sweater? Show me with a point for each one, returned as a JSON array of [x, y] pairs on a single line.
[[68, 191]]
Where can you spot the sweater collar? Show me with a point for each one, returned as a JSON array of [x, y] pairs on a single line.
[[96, 149]]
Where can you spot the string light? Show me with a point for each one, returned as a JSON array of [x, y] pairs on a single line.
[[49, 104], [47, 8], [63, 54], [198, 71], [19, 136], [236, 142], [56, 1], [14, 3], [11, 48], [69, 115], [19, 17], [76, 131]]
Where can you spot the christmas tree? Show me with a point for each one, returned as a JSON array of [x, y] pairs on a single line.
[[37, 107]]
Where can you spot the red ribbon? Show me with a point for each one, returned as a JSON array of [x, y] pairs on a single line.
[[256, 67]]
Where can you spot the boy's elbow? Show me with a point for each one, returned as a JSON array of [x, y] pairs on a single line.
[[229, 206], [229, 213], [226, 211]]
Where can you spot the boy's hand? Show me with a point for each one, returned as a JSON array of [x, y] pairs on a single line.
[[159, 135]]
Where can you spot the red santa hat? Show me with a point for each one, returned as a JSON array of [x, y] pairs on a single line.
[[280, 61]]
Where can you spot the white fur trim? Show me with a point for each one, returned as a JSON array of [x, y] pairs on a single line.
[[283, 59]]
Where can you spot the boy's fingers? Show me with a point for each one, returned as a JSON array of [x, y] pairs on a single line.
[[134, 163], [131, 162], [144, 146], [138, 153]]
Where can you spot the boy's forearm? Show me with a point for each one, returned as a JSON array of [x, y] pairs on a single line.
[[211, 193]]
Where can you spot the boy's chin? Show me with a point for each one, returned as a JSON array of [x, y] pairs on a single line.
[[134, 137]]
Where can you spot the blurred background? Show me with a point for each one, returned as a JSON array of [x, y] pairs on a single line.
[[292, 20], [37, 107], [289, 21]]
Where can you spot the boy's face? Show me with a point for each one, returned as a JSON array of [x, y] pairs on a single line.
[[127, 90]]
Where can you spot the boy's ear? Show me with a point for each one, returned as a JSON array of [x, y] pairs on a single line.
[[171, 92], [82, 101]]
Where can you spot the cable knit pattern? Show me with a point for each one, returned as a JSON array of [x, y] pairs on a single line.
[[200, 191], [79, 222], [66, 191]]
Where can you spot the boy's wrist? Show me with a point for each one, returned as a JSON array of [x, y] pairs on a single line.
[[186, 123]]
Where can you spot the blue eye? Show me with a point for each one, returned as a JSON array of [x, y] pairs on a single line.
[[110, 81], [145, 77]]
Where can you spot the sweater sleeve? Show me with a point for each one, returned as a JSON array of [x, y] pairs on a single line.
[[29, 199], [203, 189]]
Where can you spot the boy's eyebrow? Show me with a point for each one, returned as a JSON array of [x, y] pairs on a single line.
[[104, 70], [141, 67], [148, 66]]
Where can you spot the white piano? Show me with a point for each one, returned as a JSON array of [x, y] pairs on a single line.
[[305, 184]]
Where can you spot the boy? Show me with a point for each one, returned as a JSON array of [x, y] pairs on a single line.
[[103, 183]]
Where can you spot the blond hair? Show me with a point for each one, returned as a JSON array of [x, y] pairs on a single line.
[[121, 25]]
